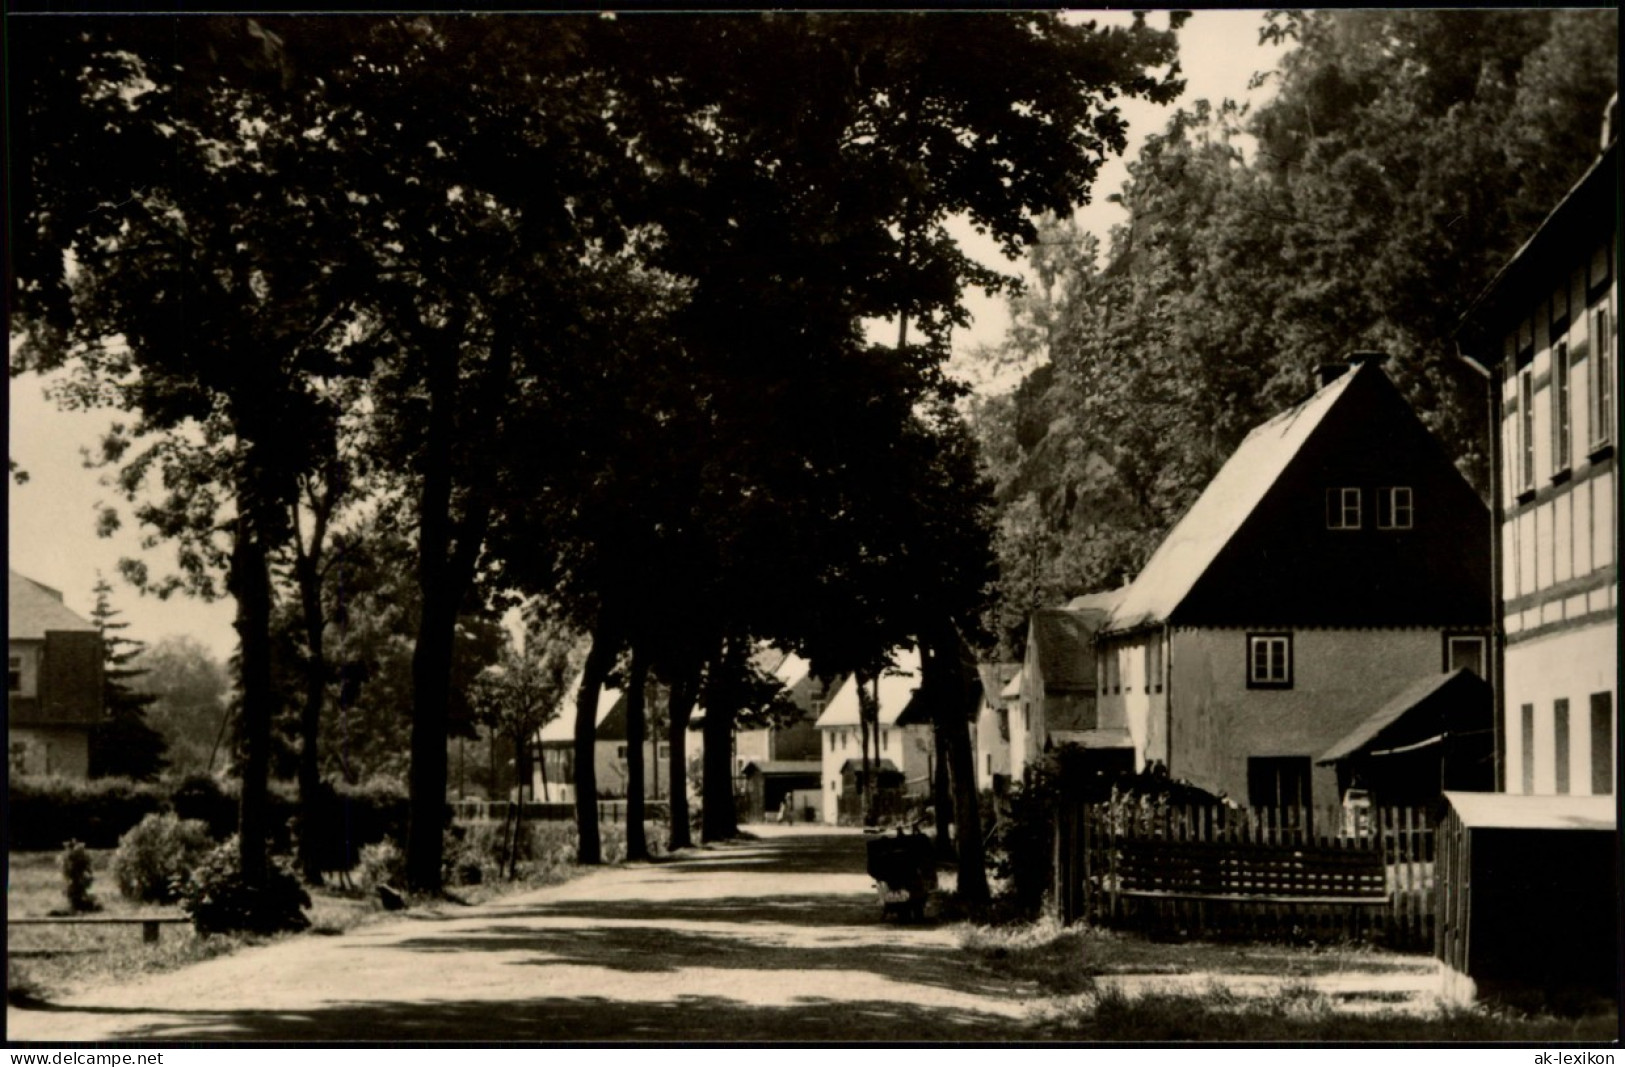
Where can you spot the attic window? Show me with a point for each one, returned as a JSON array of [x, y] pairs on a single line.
[[1343, 509], [1394, 508], [1269, 661]]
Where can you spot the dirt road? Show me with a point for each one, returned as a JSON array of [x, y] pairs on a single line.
[[778, 939]]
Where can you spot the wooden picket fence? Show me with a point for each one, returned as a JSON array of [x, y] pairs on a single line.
[[1265, 873]]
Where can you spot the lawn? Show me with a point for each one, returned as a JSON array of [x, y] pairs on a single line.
[[52, 960], [56, 959]]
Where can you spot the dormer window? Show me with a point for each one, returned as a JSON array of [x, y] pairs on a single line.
[[1343, 509], [1394, 508]]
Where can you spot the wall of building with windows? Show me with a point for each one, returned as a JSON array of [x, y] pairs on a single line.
[[1559, 388], [1249, 710]]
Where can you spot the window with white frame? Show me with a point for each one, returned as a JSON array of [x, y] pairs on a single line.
[[1602, 379], [1343, 508], [1394, 508], [1269, 661]]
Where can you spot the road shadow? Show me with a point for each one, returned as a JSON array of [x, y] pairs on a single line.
[[563, 1020], [653, 948], [790, 855]]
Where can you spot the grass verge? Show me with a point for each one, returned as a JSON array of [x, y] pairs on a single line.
[[1244, 992]]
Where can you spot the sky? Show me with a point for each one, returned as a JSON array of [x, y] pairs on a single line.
[[51, 518]]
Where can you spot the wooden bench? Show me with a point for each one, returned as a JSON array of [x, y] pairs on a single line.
[[149, 923]]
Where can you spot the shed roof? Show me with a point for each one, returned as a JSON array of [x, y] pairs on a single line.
[[896, 690], [1508, 811], [1239, 487], [1418, 694], [782, 767], [882, 766], [34, 609], [1111, 737]]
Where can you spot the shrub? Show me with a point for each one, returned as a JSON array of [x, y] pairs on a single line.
[[45, 813], [218, 900], [155, 857], [203, 798], [77, 877], [382, 863]]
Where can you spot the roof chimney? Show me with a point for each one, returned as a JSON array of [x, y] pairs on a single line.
[[1330, 372]]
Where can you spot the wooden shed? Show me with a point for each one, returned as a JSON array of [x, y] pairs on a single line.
[[1528, 895], [769, 782]]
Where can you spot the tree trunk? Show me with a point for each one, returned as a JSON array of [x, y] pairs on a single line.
[[251, 584], [683, 693], [869, 727], [310, 720], [589, 846], [948, 675], [718, 820], [637, 844], [521, 767], [942, 801]]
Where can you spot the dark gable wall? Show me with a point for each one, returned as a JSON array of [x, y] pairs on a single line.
[[1285, 569]]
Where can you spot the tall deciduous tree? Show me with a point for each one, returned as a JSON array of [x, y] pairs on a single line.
[[198, 288]]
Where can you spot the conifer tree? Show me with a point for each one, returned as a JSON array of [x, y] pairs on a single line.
[[123, 743]]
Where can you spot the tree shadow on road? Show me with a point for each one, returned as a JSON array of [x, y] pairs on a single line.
[[558, 1020], [652, 945]]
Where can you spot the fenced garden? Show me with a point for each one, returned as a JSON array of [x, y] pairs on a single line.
[[1280, 873]]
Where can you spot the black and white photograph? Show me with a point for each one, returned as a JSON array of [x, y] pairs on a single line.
[[840, 527]]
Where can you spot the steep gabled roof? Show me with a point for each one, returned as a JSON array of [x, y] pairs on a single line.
[[33, 610], [562, 728], [995, 677], [791, 670], [897, 687], [1241, 484]]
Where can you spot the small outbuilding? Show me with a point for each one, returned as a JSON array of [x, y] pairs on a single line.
[[769, 783], [1436, 734], [1528, 896]]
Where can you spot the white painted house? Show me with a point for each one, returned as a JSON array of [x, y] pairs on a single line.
[[904, 746]]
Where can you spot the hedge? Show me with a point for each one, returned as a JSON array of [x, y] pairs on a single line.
[[46, 812]]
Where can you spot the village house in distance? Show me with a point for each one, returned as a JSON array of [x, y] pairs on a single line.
[[53, 681]]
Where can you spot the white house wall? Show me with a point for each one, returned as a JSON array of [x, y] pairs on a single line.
[[1339, 678], [1568, 665]]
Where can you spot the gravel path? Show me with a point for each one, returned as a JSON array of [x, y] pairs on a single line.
[[778, 939]]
